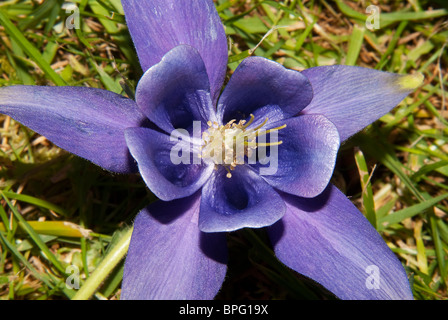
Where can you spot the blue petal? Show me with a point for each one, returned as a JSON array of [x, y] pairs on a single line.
[[354, 97], [157, 26], [169, 258], [176, 91], [168, 174], [85, 121], [328, 240], [261, 83], [244, 200], [303, 164]]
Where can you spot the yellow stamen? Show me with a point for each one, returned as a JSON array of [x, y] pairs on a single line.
[[261, 144], [261, 125], [252, 117], [270, 130], [228, 175]]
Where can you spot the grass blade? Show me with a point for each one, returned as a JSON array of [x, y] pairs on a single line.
[[30, 50], [410, 212], [37, 240], [356, 40]]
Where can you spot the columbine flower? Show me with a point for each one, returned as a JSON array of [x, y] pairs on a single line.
[[178, 247]]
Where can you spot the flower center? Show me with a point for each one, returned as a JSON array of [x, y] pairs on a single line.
[[230, 144]]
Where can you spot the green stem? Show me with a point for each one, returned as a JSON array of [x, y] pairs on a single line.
[[104, 268]]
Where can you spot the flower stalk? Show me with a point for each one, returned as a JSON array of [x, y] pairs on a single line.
[[105, 267]]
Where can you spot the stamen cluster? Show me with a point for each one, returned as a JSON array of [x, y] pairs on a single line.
[[229, 144]]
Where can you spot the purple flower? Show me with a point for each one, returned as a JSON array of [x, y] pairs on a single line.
[[178, 247]]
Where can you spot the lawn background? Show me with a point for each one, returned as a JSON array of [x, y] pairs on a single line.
[[58, 210]]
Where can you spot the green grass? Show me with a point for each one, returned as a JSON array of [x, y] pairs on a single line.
[[58, 210]]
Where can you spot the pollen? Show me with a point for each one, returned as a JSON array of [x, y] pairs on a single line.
[[230, 144]]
